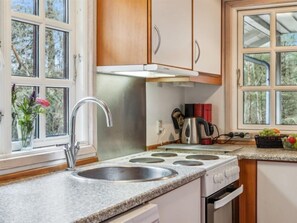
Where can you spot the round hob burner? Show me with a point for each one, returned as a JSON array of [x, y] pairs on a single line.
[[188, 163], [146, 160], [164, 154], [203, 157]]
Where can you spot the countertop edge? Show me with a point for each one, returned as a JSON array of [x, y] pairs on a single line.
[[138, 200]]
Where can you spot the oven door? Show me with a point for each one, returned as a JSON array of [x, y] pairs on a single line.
[[222, 206]]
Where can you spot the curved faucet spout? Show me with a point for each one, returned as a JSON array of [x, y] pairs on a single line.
[[73, 147]]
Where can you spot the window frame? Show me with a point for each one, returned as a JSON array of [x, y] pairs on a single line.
[[272, 88], [231, 73], [41, 81], [86, 122]]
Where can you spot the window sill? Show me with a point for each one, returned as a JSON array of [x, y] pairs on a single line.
[[40, 158]]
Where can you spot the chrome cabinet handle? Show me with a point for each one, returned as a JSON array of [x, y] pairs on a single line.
[[198, 51], [159, 39], [1, 115]]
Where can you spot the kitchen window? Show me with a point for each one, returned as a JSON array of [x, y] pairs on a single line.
[[41, 36], [267, 69], [45, 46]]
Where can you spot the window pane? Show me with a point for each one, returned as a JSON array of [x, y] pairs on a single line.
[[56, 9], [25, 6], [21, 93], [286, 112], [24, 50], [256, 31], [256, 107], [57, 113], [56, 54], [286, 29], [256, 69], [286, 68]]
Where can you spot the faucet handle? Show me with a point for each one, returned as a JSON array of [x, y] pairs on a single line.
[[69, 156], [76, 147]]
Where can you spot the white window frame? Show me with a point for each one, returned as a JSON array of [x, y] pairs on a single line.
[[234, 76], [84, 47]]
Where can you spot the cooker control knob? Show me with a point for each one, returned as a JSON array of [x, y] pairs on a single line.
[[222, 177], [228, 173], [218, 178]]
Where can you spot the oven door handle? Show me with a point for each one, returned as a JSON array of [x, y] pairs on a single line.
[[222, 202]]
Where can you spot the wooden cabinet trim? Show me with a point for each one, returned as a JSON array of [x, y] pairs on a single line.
[[8, 178], [248, 199]]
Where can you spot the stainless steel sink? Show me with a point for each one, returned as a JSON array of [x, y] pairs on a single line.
[[127, 173]]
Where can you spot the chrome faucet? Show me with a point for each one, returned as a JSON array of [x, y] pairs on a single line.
[[73, 147]]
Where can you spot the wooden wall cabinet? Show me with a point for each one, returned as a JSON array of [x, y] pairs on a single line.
[[133, 32], [171, 27], [207, 36], [122, 32], [144, 31]]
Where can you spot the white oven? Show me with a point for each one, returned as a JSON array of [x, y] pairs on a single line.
[[220, 193]]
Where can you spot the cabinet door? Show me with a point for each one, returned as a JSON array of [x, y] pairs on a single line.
[[172, 32], [181, 205], [207, 36], [277, 193]]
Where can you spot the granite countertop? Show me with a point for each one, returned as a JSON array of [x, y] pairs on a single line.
[[272, 154], [241, 151], [61, 197]]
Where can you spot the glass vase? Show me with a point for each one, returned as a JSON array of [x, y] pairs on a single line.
[[26, 130]]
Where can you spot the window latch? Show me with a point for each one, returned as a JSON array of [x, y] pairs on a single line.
[[76, 60], [238, 77], [1, 115]]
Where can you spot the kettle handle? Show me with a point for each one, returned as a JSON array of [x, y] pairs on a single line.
[[205, 124]]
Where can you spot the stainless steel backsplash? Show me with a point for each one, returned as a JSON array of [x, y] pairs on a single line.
[[127, 101]]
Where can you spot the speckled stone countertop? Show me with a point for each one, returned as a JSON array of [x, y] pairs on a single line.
[[247, 152], [61, 197], [252, 152]]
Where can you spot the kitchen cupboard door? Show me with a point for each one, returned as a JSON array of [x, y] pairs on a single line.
[[207, 36], [276, 192], [122, 32], [181, 205], [171, 28]]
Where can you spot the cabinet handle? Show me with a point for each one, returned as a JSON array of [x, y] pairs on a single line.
[[198, 51], [159, 39], [1, 115]]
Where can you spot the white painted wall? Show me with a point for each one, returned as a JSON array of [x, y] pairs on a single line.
[[161, 99], [203, 93]]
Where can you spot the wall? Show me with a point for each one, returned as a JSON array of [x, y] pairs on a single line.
[[161, 99], [203, 93]]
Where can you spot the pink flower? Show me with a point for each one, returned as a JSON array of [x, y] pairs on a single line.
[[43, 102]]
